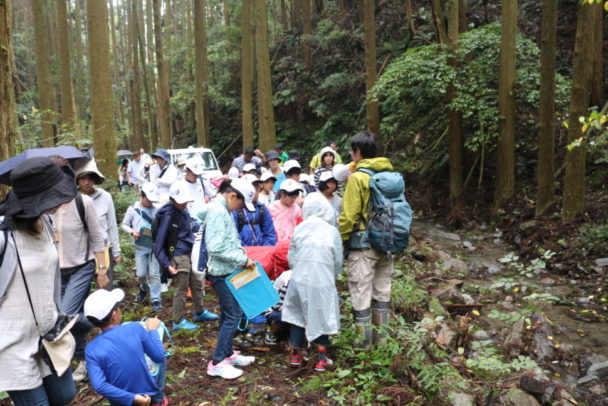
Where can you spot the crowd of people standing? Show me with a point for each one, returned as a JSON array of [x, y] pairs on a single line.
[[188, 229]]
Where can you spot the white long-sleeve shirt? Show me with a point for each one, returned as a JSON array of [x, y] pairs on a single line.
[[164, 182], [106, 215]]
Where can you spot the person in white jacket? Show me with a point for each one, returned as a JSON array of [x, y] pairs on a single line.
[[311, 303], [163, 173]]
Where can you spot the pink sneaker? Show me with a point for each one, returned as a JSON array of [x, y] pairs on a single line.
[[238, 360], [224, 370]]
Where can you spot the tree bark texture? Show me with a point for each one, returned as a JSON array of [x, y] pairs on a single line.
[[68, 108], [372, 108], [574, 180], [43, 72], [79, 74], [100, 79], [247, 72], [545, 176], [8, 125], [116, 49], [162, 116], [137, 129], [437, 11], [267, 131], [597, 76], [456, 147], [409, 17], [201, 74], [505, 169], [306, 29]]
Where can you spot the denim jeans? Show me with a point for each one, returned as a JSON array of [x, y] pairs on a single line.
[[75, 286], [230, 316], [296, 338], [54, 391], [148, 272], [160, 384]]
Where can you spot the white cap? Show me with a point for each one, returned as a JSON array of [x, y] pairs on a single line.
[[292, 163], [304, 178], [195, 164], [250, 178], [249, 167], [233, 173], [180, 194], [341, 172], [326, 175], [246, 189], [290, 185], [151, 191], [267, 176], [100, 303]]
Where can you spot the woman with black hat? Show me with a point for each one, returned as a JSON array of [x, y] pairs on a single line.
[[30, 284]]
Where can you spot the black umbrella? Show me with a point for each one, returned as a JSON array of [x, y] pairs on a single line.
[[123, 152], [70, 153]]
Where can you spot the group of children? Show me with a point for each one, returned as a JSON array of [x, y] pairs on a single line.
[[242, 211]]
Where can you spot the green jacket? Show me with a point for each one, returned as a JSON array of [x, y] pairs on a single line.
[[354, 216]]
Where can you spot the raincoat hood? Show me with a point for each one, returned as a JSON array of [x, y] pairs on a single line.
[[379, 164], [317, 205]]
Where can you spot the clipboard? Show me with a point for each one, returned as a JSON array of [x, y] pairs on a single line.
[[252, 290]]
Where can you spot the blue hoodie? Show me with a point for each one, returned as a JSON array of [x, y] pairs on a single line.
[[185, 236], [253, 233]]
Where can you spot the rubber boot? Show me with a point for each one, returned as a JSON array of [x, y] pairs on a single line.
[[380, 313], [363, 327]]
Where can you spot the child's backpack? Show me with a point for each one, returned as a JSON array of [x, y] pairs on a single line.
[[390, 215], [172, 235], [203, 255]]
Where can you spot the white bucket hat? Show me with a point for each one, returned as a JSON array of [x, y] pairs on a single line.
[[246, 189], [90, 168]]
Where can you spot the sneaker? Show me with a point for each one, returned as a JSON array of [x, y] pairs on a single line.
[[205, 315], [296, 360], [165, 402], [157, 306], [141, 296], [80, 373], [270, 339], [164, 288], [322, 365], [236, 359], [184, 325], [224, 370]]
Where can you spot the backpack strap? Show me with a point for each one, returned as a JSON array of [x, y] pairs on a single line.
[[368, 171], [144, 215], [5, 232], [83, 219], [241, 221], [261, 215]]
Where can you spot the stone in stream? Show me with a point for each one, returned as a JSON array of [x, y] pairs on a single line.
[[601, 262], [461, 399], [513, 338], [456, 265], [446, 336], [544, 346], [447, 236], [468, 245], [517, 397]]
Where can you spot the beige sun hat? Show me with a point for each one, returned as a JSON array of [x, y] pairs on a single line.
[[90, 168]]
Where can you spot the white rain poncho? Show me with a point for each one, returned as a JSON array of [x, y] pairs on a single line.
[[315, 256]]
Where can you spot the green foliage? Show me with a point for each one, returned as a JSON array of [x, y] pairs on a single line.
[[488, 363], [592, 239], [405, 291], [413, 90]]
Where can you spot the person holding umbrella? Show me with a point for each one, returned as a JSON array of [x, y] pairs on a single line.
[[31, 260], [163, 173]]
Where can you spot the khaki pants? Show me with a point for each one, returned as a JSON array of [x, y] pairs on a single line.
[[369, 277], [183, 280]]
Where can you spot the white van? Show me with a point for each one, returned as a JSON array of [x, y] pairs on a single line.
[[212, 169]]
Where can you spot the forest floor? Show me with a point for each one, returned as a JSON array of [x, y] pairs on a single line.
[[472, 324]]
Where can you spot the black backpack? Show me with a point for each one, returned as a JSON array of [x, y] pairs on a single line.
[[242, 220], [171, 237]]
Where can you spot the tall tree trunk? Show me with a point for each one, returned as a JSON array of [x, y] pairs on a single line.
[[462, 16], [79, 76], [456, 148], [597, 75], [247, 72], [43, 71], [505, 169], [162, 117], [373, 111], [116, 49], [284, 21], [442, 36], [135, 81], [146, 74], [574, 180], [68, 108], [227, 26], [307, 29], [201, 73], [100, 80], [9, 132], [267, 131], [409, 17], [150, 31], [545, 177], [295, 12]]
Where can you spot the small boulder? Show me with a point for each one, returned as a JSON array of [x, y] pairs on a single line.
[[461, 399], [514, 336], [517, 397], [601, 262]]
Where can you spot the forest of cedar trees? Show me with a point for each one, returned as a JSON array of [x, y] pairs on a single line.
[[494, 111]]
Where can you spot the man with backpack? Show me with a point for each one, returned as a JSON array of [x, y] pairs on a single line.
[[374, 225], [255, 228]]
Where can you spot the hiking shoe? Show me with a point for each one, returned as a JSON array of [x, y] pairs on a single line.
[[164, 288], [165, 402], [224, 370], [141, 296], [270, 339], [236, 359], [296, 360], [322, 365], [157, 306], [80, 373], [205, 315], [184, 325]]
